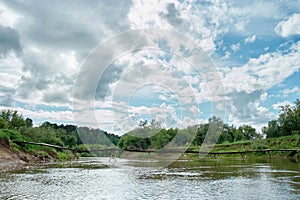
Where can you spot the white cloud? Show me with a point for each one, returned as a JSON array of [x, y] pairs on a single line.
[[291, 91], [235, 47], [43, 115], [263, 72], [289, 27], [8, 17], [44, 82], [246, 86], [251, 113], [52, 45], [195, 110], [10, 70], [250, 39], [144, 14], [200, 22]]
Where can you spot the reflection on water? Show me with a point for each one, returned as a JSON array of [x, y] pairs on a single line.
[[129, 179]]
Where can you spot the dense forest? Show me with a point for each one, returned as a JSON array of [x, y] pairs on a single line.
[[14, 127]]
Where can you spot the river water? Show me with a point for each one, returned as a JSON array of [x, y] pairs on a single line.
[[133, 179]]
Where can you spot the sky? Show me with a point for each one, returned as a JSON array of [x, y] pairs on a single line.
[[109, 65]]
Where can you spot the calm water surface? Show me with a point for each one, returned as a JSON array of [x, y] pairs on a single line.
[[130, 179]]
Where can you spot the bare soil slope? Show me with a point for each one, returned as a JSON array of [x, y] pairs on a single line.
[[9, 159]]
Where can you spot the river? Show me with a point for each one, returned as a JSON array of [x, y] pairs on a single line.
[[133, 179]]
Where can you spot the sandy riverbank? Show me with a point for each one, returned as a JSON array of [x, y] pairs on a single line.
[[12, 160]]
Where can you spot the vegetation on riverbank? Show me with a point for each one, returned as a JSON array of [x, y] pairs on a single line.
[[291, 142], [281, 133], [152, 136], [14, 129]]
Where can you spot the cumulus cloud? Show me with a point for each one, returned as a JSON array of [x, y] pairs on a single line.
[[55, 43], [245, 86], [245, 108], [263, 72], [172, 15], [250, 39], [6, 96], [9, 40], [47, 72], [289, 27], [42, 49], [291, 91], [235, 47], [78, 27], [190, 18], [8, 18]]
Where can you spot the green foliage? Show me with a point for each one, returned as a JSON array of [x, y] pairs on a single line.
[[162, 138], [14, 128], [11, 120], [3, 124], [28, 123], [284, 142], [97, 136], [12, 135], [202, 129], [288, 122], [33, 149], [66, 155], [150, 136], [44, 134], [147, 137], [132, 142]]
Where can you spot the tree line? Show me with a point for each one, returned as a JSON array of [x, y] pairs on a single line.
[[150, 134], [288, 123], [62, 135], [145, 136]]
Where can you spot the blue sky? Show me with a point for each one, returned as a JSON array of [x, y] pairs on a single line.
[[45, 46]]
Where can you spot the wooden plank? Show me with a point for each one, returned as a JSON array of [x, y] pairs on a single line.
[[161, 151], [42, 144]]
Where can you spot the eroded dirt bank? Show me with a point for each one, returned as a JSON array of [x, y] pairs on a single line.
[[12, 160]]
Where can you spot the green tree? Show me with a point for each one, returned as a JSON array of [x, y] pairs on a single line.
[[227, 134], [28, 122], [289, 118], [272, 130], [11, 119], [288, 122], [16, 121], [201, 133], [3, 123]]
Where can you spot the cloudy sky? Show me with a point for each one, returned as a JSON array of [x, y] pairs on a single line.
[[81, 62]]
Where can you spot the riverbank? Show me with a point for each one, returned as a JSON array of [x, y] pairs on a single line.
[[285, 142], [10, 159], [14, 157], [258, 148]]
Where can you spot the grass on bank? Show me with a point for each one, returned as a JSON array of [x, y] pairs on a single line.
[[280, 143], [40, 152], [285, 142]]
